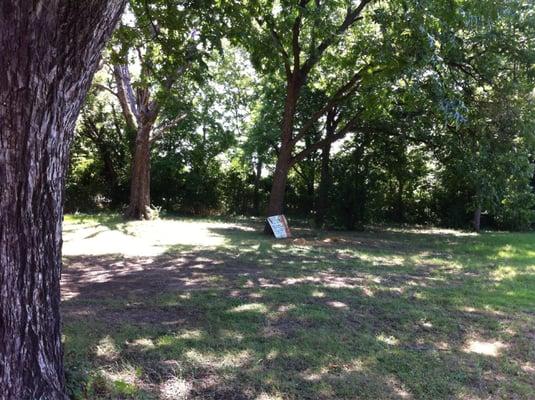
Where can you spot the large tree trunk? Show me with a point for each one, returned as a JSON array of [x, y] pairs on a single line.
[[278, 188], [50, 50], [280, 177], [139, 206], [145, 111]]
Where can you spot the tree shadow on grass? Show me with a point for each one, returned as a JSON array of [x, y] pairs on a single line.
[[321, 320]]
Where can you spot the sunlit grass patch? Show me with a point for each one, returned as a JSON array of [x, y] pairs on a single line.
[[492, 348], [250, 307]]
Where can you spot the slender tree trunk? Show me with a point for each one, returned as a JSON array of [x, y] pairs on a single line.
[[256, 195], [310, 194], [325, 174], [360, 193], [325, 183], [50, 50], [400, 205], [308, 174], [139, 206], [477, 219]]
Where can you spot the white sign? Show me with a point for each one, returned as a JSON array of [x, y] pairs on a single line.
[[279, 226]]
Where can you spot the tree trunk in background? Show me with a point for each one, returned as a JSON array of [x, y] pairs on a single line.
[[360, 190], [50, 51], [147, 111], [308, 174], [278, 188], [325, 184], [325, 174], [280, 176], [297, 73], [139, 205], [256, 195], [310, 193], [477, 219], [400, 205]]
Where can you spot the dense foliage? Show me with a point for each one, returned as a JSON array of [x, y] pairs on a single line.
[[406, 112]]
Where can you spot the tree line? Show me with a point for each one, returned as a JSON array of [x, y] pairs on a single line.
[[341, 112]]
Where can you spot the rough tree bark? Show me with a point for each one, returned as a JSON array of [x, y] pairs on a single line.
[[50, 50]]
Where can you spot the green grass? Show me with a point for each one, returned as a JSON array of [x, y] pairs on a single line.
[[386, 314]]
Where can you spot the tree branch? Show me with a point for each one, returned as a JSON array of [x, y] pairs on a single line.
[[160, 129], [341, 94], [348, 127], [275, 147], [278, 43], [106, 88], [125, 94], [155, 28], [300, 173], [351, 17], [118, 129], [92, 132], [296, 47], [296, 32]]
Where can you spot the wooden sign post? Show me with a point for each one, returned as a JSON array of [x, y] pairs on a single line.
[[279, 226]]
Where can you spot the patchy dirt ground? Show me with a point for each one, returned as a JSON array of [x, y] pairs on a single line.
[[178, 309]]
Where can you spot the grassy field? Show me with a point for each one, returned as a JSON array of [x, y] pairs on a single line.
[[191, 309]]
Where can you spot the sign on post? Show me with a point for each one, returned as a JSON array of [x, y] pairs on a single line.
[[279, 226]]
